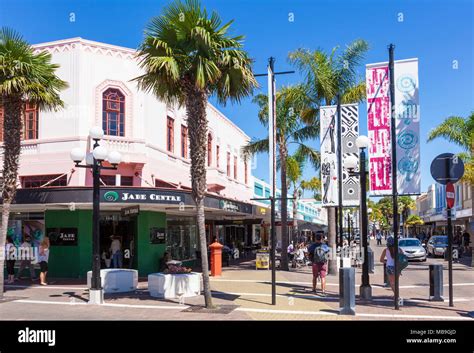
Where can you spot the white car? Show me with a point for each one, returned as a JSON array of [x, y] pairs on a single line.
[[413, 249]]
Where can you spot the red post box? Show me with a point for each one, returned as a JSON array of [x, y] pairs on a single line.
[[216, 258]]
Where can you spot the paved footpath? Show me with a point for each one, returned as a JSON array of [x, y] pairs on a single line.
[[245, 294]]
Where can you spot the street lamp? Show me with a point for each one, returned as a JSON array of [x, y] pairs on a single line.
[[362, 142], [94, 161]]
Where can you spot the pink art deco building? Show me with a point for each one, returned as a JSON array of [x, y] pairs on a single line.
[[55, 197]]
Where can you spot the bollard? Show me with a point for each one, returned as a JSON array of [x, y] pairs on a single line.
[[436, 283], [386, 281], [347, 291], [371, 260]]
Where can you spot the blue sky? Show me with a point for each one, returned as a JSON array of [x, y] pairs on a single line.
[[437, 32]]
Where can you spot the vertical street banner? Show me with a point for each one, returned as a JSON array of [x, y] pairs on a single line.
[[328, 139], [378, 128], [349, 134], [407, 118]]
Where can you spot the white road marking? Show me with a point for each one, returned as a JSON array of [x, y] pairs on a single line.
[[170, 307], [319, 313]]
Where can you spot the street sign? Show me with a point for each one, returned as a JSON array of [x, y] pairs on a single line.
[[450, 195], [447, 168]]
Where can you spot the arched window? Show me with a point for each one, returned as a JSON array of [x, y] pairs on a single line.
[[209, 150], [113, 112]]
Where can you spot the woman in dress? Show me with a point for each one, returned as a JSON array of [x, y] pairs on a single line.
[[43, 259]]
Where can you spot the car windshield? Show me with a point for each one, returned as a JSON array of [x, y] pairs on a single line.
[[440, 240], [409, 242]]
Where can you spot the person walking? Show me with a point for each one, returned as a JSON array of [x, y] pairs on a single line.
[[25, 257], [43, 260], [116, 251], [388, 255], [466, 237], [319, 257], [379, 238], [10, 259]]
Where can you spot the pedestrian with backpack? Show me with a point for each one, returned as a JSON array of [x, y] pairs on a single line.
[[389, 254], [319, 257]]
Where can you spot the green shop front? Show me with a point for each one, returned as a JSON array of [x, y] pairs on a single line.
[[147, 221]]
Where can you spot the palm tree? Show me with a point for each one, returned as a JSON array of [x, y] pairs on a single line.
[[25, 76], [188, 56], [295, 166], [459, 131], [326, 76], [294, 125], [405, 204], [413, 221]]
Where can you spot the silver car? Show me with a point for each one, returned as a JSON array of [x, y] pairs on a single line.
[[412, 249]]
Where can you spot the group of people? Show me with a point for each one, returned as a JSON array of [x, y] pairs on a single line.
[[25, 254]]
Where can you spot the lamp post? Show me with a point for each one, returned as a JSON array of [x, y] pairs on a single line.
[[94, 161], [351, 162]]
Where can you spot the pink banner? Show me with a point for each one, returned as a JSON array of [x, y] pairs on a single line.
[[378, 120]]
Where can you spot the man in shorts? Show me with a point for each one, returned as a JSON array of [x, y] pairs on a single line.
[[318, 252]]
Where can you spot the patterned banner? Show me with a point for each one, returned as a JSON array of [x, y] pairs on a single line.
[[328, 138], [407, 116], [329, 161], [378, 126], [350, 132]]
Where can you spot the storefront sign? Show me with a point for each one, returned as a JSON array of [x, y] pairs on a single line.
[[146, 196], [229, 206], [130, 211], [62, 236], [157, 235]]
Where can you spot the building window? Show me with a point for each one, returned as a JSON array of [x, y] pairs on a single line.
[[258, 189], [217, 156], [126, 180], [170, 134], [30, 117], [245, 172], [209, 150], [184, 141], [235, 167], [108, 180], [228, 164], [37, 181], [113, 112]]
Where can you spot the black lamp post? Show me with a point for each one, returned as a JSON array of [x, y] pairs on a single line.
[[94, 161], [351, 162]]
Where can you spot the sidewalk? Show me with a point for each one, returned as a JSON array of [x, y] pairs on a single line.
[[245, 294]]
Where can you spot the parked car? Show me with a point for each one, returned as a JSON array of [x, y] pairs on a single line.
[[437, 245], [412, 248]]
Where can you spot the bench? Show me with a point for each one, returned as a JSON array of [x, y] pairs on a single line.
[[116, 280]]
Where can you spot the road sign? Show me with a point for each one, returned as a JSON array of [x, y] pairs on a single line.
[[447, 168], [450, 195], [453, 213]]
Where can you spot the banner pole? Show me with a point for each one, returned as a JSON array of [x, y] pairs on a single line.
[[394, 170]]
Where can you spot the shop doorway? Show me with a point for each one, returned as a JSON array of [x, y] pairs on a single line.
[[114, 226]]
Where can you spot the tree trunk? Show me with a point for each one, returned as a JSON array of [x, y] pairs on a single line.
[[284, 209], [197, 126], [295, 213], [332, 263], [11, 157]]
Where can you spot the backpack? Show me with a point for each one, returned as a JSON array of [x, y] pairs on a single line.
[[402, 262], [320, 255]]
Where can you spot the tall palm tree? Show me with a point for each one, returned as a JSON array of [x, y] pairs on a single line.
[[294, 125], [295, 166], [25, 76], [459, 131], [188, 56], [327, 75]]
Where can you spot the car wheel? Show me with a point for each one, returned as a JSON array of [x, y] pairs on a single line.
[[424, 260]]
